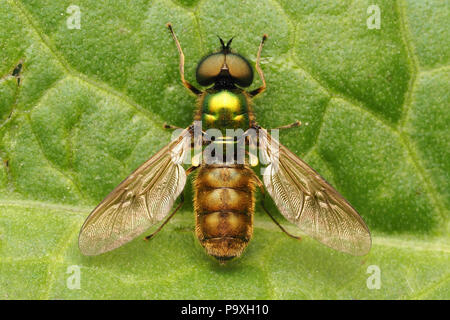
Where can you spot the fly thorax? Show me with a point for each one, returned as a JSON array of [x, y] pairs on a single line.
[[225, 109]]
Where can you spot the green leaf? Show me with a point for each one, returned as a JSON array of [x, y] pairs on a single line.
[[90, 108]]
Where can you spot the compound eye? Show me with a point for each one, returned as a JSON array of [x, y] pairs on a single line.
[[240, 69], [209, 68]]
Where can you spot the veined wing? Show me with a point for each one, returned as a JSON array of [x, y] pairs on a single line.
[[141, 200], [308, 201]]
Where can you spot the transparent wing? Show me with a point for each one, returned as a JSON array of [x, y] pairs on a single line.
[[141, 200], [309, 202]]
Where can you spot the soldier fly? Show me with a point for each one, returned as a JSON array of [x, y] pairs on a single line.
[[224, 188]]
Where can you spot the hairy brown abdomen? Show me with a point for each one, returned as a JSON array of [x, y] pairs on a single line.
[[224, 204]]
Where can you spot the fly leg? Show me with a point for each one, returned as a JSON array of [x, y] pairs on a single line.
[[172, 127], [168, 218], [276, 222], [261, 187], [295, 124], [189, 86], [259, 70]]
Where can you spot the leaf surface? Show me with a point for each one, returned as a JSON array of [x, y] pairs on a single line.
[[90, 108]]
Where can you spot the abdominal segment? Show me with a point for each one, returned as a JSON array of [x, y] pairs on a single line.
[[224, 204]]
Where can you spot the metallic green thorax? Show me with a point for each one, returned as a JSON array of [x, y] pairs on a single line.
[[225, 110]]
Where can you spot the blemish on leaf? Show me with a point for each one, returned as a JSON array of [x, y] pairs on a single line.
[[17, 71]]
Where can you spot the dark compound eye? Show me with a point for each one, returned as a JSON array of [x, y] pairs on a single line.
[[239, 69], [209, 68], [224, 64]]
